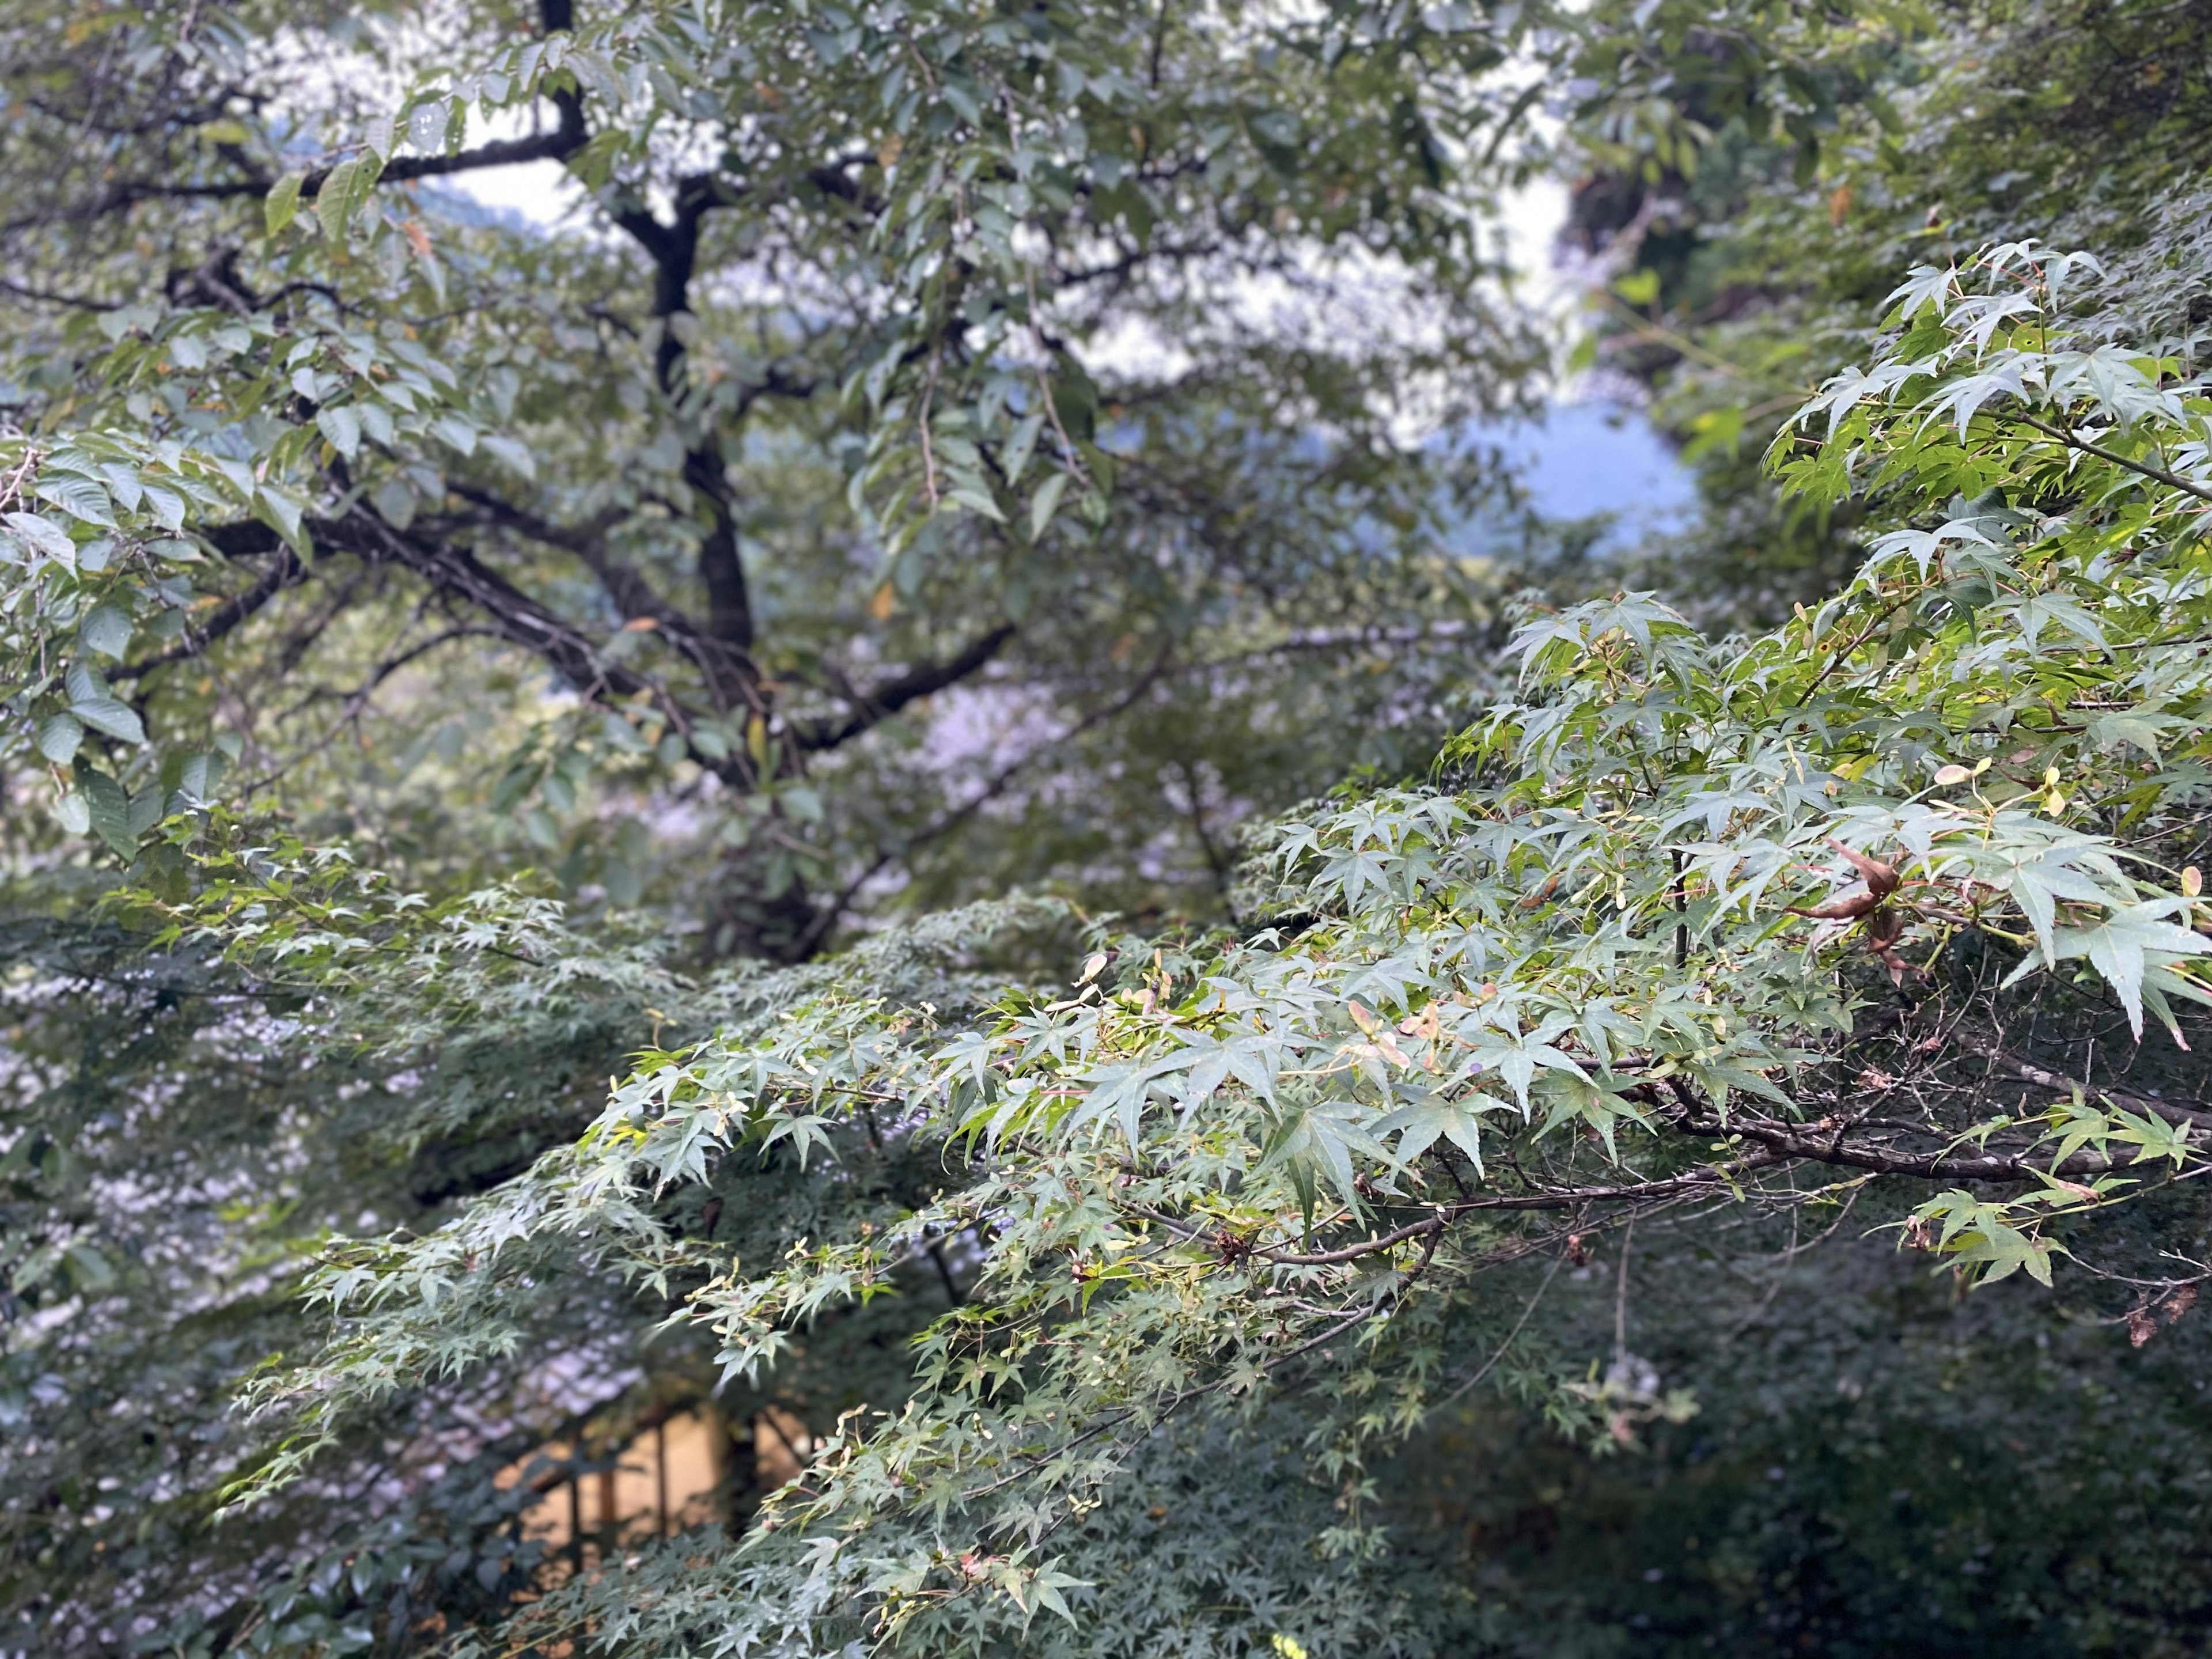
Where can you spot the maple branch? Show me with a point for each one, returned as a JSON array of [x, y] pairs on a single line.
[[2144, 469], [2172, 1111]]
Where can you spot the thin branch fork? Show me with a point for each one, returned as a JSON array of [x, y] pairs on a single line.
[[2074, 439], [638, 599], [1690, 1183], [731, 676], [1793, 1141], [992, 787], [2172, 1111]]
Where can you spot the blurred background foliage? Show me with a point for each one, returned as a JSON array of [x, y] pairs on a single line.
[[1277, 600]]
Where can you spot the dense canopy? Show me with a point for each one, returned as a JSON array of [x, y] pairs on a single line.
[[916, 793]]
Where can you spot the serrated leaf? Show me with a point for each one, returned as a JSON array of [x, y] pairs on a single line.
[[280, 511], [106, 630], [197, 780], [2119, 946], [145, 810], [334, 202], [165, 505], [109, 810], [60, 736], [451, 430], [111, 716], [978, 500], [394, 502], [342, 426], [44, 536], [1021, 446], [1420, 1126], [426, 127], [2137, 726], [282, 205], [510, 454], [1046, 502], [375, 421], [79, 497]]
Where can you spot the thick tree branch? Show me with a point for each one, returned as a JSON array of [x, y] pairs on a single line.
[[1775, 1144], [284, 571], [721, 567], [52, 297], [886, 698], [1830, 1143], [564, 141], [674, 250], [2074, 439], [514, 615], [126, 194], [826, 917], [632, 590], [510, 615], [2174, 1111], [730, 677], [567, 137]]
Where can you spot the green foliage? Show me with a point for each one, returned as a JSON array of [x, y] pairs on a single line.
[[1250, 1176], [889, 404], [384, 1126], [1879, 1467], [1769, 171]]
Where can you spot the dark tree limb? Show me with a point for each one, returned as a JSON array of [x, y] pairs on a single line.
[[632, 590], [673, 248], [509, 614], [880, 701], [731, 679], [47, 296], [1775, 1145], [569, 136], [284, 571], [2174, 1111], [513, 614], [2074, 439], [1829, 1142], [951, 819], [357, 699]]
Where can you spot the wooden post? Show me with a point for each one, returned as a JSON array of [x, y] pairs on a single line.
[[660, 1470]]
